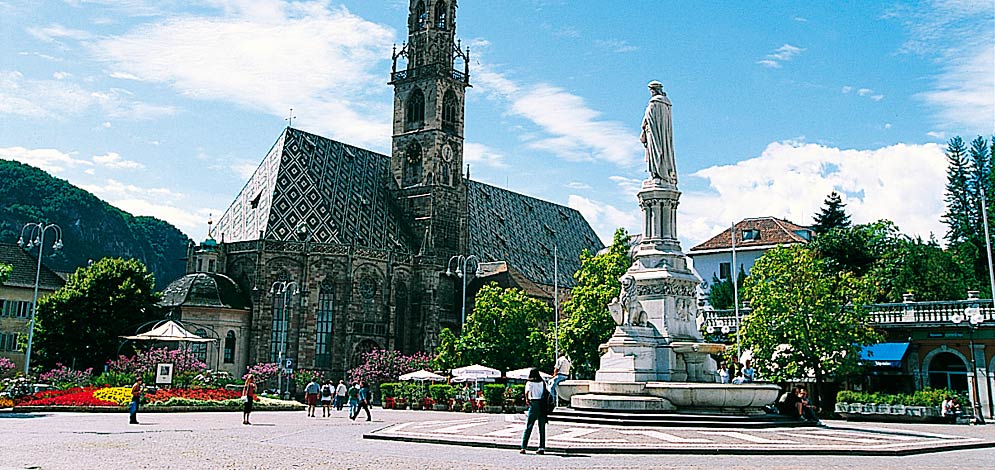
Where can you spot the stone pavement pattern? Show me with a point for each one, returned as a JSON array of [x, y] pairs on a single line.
[[280, 440]]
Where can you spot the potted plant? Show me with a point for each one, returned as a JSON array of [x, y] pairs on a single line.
[[494, 397], [388, 391], [441, 393]]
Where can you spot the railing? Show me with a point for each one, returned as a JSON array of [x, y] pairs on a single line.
[[913, 314], [430, 70]]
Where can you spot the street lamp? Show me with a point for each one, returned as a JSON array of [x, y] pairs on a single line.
[[462, 273], [974, 319], [36, 237], [287, 289]]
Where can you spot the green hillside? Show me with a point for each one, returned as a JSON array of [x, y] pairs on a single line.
[[92, 229]]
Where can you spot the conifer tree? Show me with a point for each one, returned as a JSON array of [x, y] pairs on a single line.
[[833, 215], [958, 197]]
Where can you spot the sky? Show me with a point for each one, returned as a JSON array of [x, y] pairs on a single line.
[[165, 107]]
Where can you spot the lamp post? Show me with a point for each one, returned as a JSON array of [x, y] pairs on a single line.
[[974, 318], [287, 289], [36, 237], [461, 272]]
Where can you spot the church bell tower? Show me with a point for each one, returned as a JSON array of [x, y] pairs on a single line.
[[430, 75]]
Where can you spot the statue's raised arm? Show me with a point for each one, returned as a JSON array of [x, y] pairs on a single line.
[[658, 136]]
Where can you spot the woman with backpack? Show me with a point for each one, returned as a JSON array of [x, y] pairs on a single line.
[[326, 399], [537, 396]]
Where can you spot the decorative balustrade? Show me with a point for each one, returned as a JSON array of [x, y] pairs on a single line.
[[913, 314], [430, 70]]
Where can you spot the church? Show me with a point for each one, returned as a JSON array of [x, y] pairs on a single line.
[[331, 250]]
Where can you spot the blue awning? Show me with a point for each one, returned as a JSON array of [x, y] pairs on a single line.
[[884, 354]]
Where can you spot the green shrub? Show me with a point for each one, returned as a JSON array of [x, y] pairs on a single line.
[[515, 395], [389, 389], [113, 379], [926, 397], [440, 393], [494, 394]]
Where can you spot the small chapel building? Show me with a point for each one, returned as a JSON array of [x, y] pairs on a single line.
[[338, 250]]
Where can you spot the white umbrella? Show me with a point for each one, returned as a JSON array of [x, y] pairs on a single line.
[[422, 376], [523, 374], [169, 331], [476, 372]]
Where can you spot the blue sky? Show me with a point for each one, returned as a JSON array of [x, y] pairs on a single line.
[[164, 107]]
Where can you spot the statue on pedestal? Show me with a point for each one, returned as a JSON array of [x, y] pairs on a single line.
[[658, 136]]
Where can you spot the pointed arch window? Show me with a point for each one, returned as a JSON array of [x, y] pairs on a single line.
[[415, 112], [421, 17], [450, 112], [412, 164], [230, 347], [440, 15], [325, 326]]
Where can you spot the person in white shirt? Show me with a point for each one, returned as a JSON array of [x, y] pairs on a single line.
[[561, 372], [535, 391], [340, 393]]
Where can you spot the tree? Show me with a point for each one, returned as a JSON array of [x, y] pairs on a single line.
[[721, 296], [856, 249], [958, 197], [917, 267], [81, 322], [806, 318], [588, 324], [505, 330], [5, 270], [447, 353], [832, 215], [386, 365]]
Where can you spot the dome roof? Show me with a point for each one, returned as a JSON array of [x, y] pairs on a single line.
[[204, 290]]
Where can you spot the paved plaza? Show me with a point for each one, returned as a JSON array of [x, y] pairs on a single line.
[[290, 440]]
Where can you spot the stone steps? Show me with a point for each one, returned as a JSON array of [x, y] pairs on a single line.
[[657, 419]]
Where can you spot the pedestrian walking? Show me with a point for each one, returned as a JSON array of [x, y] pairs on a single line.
[[248, 397], [340, 395], [364, 402], [326, 399], [136, 399], [537, 396], [311, 395], [353, 399]]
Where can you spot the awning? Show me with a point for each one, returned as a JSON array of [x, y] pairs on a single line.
[[884, 354]]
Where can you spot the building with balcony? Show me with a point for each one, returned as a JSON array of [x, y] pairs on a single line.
[[927, 344]]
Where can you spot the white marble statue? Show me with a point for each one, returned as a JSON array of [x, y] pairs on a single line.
[[658, 136]]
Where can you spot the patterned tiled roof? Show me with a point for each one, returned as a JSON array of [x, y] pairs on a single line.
[[204, 290], [339, 192], [769, 231], [522, 230], [25, 266]]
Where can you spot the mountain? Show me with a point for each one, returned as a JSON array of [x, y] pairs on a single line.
[[91, 228]]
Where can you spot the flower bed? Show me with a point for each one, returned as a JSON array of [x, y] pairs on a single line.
[[117, 399]]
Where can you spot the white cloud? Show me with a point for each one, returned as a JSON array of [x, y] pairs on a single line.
[[958, 35], [60, 98], [51, 160], [619, 46], [937, 134], [903, 183], [864, 91], [192, 222], [964, 92], [577, 185], [605, 218], [55, 32], [112, 189], [270, 56], [114, 160], [628, 186], [847, 89], [474, 153], [570, 128], [784, 53]]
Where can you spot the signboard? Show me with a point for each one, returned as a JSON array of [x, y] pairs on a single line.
[[289, 367], [164, 374]]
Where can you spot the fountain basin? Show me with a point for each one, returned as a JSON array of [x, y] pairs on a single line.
[[682, 397]]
